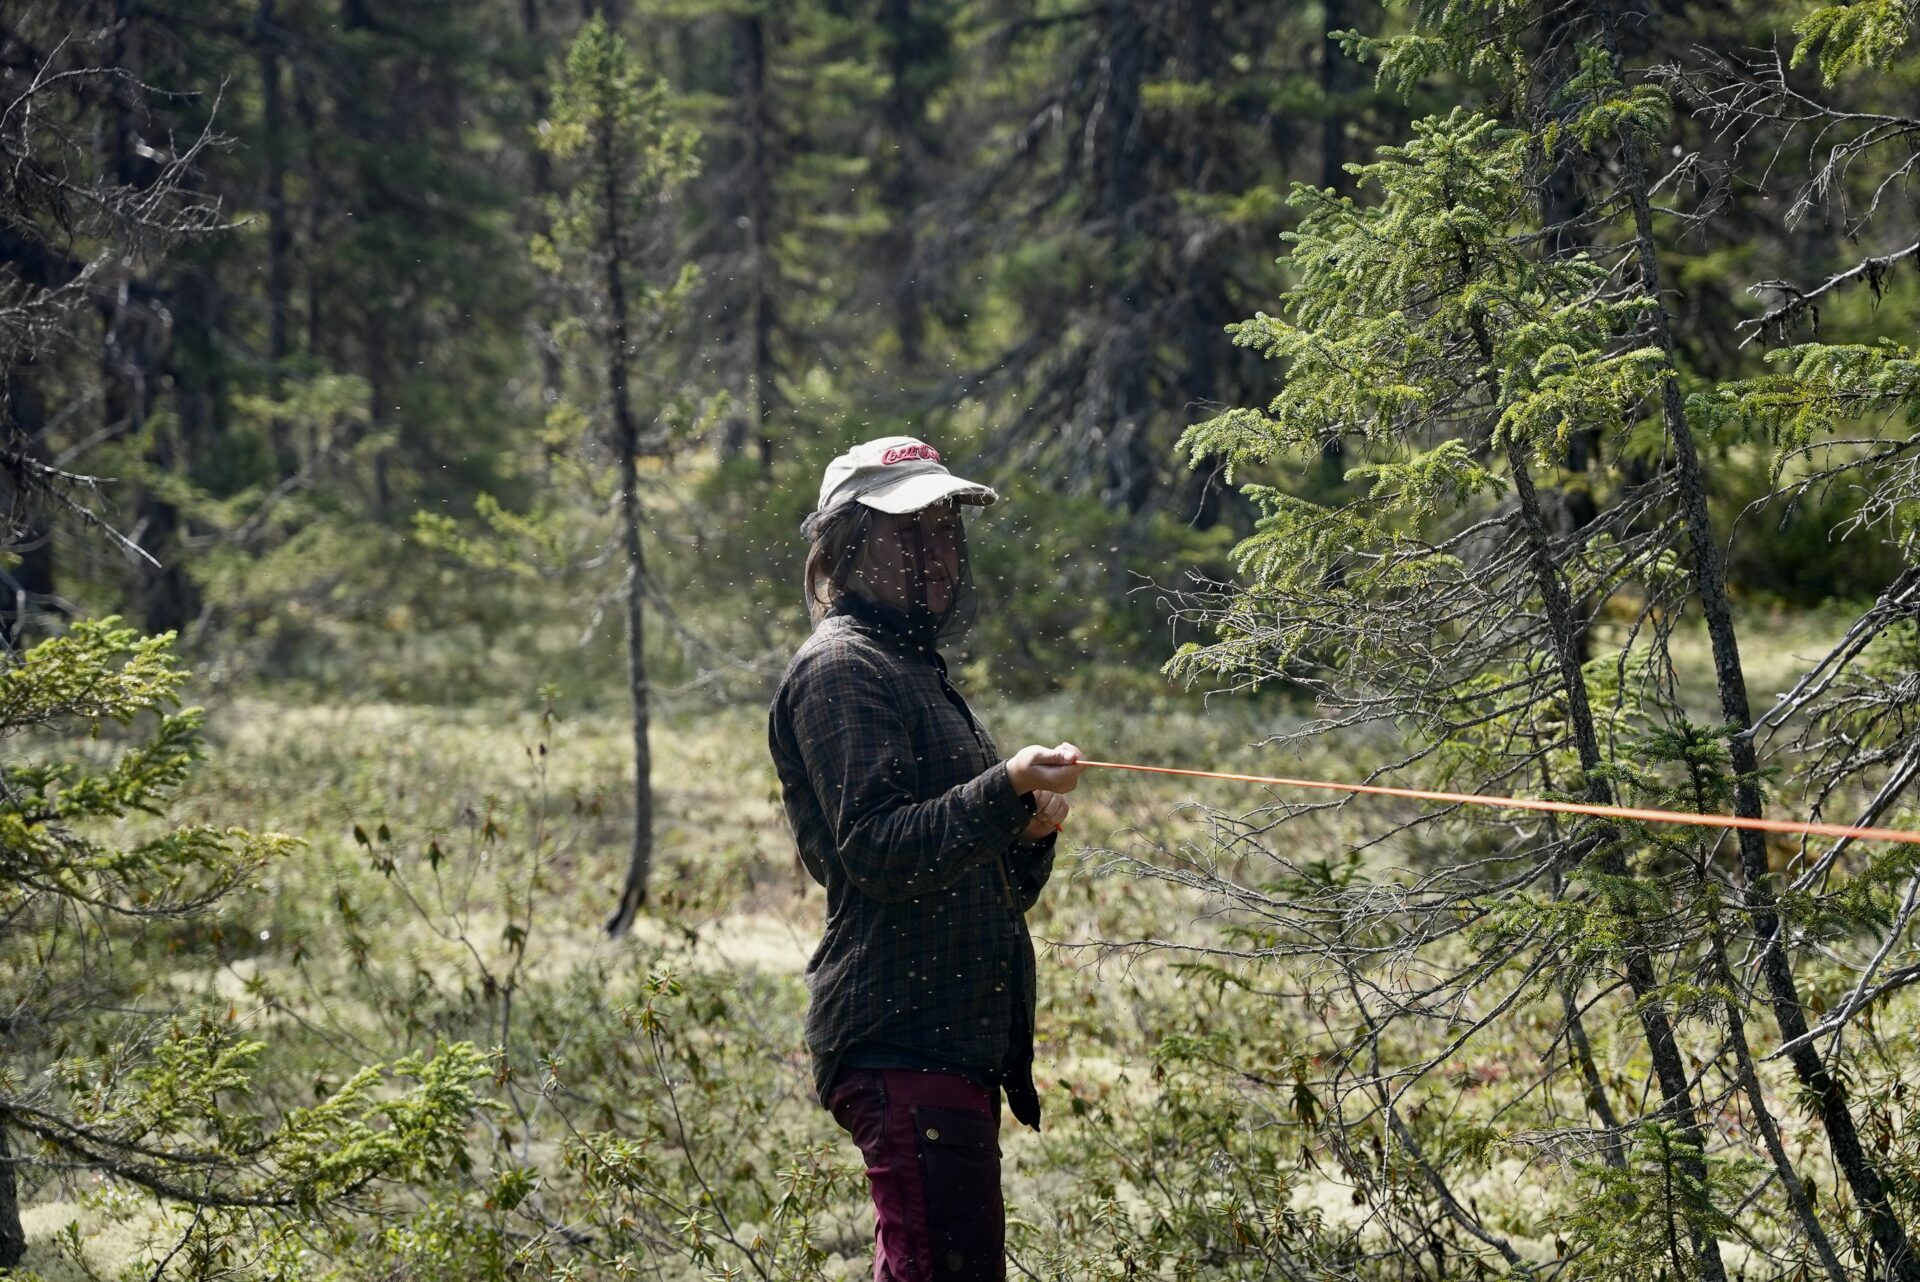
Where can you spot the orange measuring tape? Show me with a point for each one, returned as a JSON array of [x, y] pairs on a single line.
[[1556, 807]]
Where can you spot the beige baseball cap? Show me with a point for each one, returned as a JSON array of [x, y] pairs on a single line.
[[896, 474]]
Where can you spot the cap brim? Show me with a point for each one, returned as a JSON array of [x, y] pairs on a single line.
[[911, 493]]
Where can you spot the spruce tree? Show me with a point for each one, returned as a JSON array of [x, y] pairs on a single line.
[[154, 1098], [1454, 347], [613, 242]]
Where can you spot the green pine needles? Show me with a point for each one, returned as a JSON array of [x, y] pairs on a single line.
[[108, 1072], [1530, 448], [1855, 37]]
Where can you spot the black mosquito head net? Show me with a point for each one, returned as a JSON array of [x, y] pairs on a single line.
[[909, 572]]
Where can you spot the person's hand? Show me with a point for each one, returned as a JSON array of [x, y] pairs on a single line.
[[1054, 769], [1050, 812]]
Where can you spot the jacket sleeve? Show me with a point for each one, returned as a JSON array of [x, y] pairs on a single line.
[[1029, 867], [858, 753], [1029, 864]]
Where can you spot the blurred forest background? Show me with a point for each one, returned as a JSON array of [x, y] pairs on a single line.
[[409, 413]]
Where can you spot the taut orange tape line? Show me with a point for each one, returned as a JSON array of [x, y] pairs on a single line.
[[1557, 807]]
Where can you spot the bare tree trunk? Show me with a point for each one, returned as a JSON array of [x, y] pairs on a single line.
[[750, 202], [1131, 460], [1749, 1079], [1339, 77], [130, 342], [1581, 1052], [1669, 1069], [376, 354], [194, 369], [32, 583], [273, 125], [909, 46], [627, 440], [308, 111], [1562, 206], [13, 1237], [542, 174], [165, 592], [1828, 1094], [634, 893], [760, 233]]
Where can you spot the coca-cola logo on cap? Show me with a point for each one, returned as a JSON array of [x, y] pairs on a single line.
[[906, 453]]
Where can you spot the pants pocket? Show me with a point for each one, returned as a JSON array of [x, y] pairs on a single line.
[[960, 1172]]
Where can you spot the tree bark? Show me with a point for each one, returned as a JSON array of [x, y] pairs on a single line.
[[1131, 463], [1339, 77], [759, 230], [1669, 1069], [13, 1236], [627, 439], [914, 36], [1749, 1079], [315, 258], [752, 204], [131, 342], [273, 125], [379, 396], [29, 535], [1829, 1094], [541, 172], [1581, 1052], [1563, 205]]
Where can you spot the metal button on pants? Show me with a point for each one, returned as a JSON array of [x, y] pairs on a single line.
[[932, 1147]]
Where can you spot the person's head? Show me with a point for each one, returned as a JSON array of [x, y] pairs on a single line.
[[888, 532]]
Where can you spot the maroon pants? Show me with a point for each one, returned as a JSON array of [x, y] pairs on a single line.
[[932, 1144]]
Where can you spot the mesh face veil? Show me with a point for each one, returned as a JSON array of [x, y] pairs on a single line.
[[910, 571]]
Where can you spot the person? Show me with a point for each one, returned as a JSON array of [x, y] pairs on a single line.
[[931, 848]]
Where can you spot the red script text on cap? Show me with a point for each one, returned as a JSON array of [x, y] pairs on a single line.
[[906, 453]]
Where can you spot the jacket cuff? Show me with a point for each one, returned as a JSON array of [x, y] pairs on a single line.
[[1041, 846], [1006, 812]]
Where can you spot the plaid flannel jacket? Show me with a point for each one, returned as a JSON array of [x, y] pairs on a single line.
[[903, 810]]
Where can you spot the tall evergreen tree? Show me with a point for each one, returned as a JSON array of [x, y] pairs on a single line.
[[1433, 332], [613, 233]]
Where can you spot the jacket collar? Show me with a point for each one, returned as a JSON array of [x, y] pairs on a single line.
[[881, 625]]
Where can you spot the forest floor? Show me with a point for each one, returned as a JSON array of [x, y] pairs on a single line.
[[1172, 1080]]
